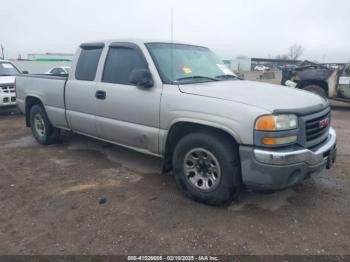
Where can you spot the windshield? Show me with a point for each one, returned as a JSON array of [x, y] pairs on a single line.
[[180, 64], [7, 69]]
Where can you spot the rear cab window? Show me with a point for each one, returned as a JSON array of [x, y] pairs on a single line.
[[88, 61]]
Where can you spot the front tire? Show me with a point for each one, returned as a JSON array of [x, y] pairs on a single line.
[[207, 169], [43, 131], [318, 90]]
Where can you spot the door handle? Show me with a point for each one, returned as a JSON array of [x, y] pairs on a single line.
[[100, 94]]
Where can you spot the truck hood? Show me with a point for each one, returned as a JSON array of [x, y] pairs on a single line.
[[7, 79], [267, 96]]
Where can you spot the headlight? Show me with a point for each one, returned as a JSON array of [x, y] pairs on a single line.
[[286, 126], [276, 122]]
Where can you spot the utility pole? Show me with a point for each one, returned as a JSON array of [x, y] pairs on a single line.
[[2, 52]]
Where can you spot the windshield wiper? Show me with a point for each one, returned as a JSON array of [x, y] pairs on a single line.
[[196, 77], [227, 76]]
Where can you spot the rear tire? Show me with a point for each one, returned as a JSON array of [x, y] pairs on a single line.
[[43, 131], [318, 90], [207, 169]]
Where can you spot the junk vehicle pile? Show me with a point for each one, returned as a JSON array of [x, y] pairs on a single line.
[[327, 82]]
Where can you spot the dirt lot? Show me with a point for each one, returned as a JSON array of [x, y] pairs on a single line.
[[49, 202]]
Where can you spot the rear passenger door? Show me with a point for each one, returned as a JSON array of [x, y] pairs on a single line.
[[80, 90], [127, 114]]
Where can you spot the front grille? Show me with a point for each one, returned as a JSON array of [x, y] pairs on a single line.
[[8, 88], [313, 128]]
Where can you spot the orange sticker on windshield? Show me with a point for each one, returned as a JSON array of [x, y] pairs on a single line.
[[187, 70]]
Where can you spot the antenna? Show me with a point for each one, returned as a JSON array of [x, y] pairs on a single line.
[[172, 42], [172, 24]]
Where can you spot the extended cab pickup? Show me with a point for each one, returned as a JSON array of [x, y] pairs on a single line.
[[216, 132]]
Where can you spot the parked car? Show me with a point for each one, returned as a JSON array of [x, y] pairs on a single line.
[[317, 78], [217, 133], [8, 72], [261, 68], [61, 70]]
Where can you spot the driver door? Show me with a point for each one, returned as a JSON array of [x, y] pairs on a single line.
[[127, 114]]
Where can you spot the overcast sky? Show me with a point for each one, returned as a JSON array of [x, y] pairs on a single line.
[[231, 28]]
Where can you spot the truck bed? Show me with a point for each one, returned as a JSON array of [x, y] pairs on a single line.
[[49, 89]]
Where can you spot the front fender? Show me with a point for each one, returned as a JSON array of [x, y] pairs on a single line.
[[165, 132]]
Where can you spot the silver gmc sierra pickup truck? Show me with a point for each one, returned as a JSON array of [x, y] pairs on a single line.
[[216, 132]]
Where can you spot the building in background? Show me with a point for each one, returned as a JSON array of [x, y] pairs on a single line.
[[41, 63], [274, 64], [51, 57], [241, 64]]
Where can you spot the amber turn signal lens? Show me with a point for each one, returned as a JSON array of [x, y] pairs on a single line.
[[279, 140], [269, 141], [267, 123]]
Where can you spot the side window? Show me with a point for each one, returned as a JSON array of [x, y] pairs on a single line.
[[53, 71], [56, 71], [87, 64], [59, 71], [119, 64]]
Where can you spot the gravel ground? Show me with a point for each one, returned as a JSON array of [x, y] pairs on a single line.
[[50, 203]]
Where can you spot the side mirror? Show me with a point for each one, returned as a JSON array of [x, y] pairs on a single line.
[[141, 78], [25, 72]]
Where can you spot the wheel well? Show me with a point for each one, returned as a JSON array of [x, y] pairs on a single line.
[[30, 102], [182, 129], [321, 83]]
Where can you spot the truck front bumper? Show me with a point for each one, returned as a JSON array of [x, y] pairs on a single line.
[[7, 99], [274, 169]]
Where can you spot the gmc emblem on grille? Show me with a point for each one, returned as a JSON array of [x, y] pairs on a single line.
[[323, 123]]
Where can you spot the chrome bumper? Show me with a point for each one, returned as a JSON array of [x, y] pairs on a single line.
[[275, 157]]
